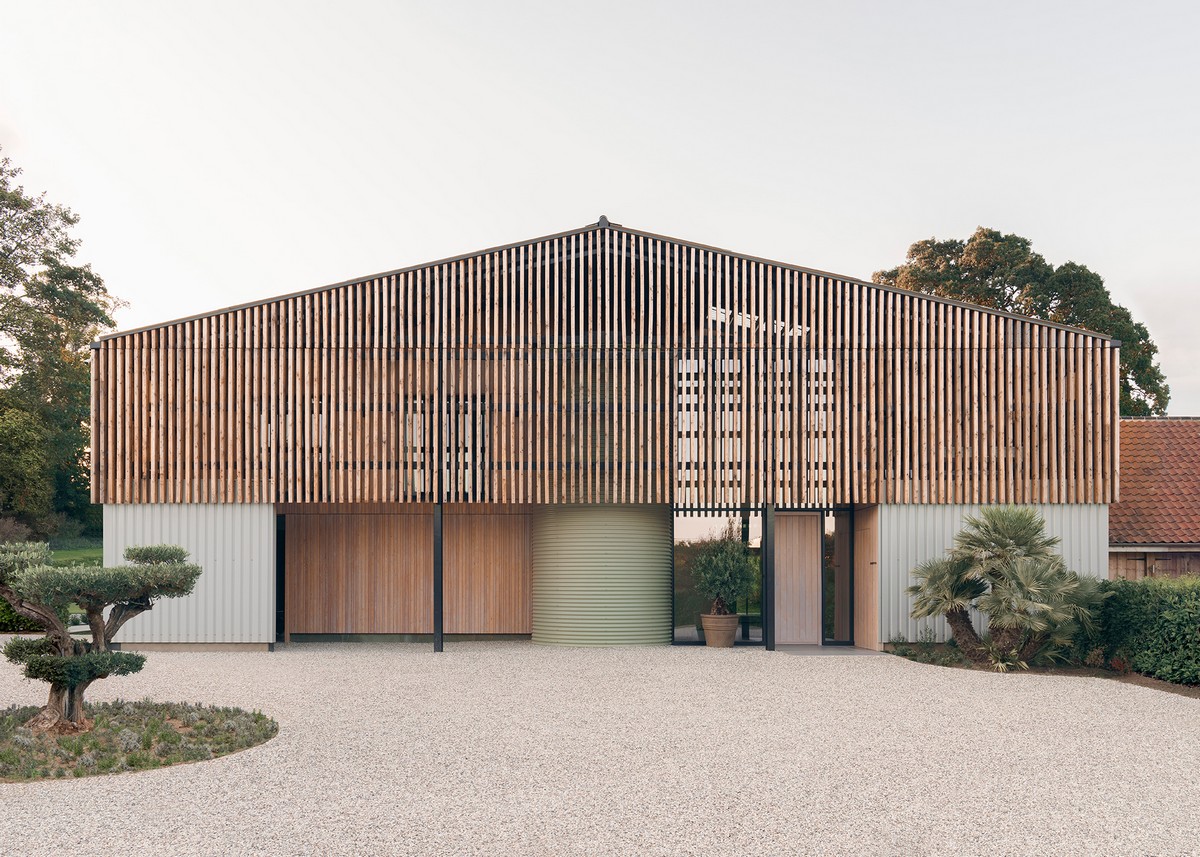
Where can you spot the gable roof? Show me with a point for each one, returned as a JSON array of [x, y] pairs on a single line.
[[1160, 483], [604, 224]]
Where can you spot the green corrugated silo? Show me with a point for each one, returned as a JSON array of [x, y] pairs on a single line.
[[602, 575]]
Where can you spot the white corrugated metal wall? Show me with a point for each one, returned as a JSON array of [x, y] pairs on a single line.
[[234, 599], [911, 534]]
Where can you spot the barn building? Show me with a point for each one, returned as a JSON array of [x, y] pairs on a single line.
[[1155, 527], [510, 442]]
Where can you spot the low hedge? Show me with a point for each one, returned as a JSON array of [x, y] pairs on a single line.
[[1153, 626]]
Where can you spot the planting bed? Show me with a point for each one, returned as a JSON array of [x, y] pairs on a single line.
[[127, 736]]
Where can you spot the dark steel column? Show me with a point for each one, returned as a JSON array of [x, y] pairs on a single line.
[[768, 576], [850, 554], [437, 577]]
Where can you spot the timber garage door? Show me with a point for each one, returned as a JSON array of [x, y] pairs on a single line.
[[359, 574], [487, 570], [798, 559]]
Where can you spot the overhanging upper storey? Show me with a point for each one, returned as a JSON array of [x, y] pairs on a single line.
[[606, 365]]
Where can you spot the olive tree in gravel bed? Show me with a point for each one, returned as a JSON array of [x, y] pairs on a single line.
[[109, 597]]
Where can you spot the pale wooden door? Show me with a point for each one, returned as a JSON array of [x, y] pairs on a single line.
[[798, 578]]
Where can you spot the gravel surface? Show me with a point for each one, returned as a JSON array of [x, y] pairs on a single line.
[[508, 748]]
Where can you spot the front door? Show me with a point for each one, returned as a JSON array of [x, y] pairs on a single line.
[[798, 541]]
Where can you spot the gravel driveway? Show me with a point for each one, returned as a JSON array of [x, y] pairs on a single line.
[[508, 748]]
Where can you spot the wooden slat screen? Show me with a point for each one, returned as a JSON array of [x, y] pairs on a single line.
[[605, 366]]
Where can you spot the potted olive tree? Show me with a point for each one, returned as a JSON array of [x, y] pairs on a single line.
[[724, 573]]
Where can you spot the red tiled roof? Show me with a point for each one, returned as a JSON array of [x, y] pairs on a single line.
[[1160, 483]]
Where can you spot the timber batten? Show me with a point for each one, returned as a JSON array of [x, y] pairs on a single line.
[[605, 366]]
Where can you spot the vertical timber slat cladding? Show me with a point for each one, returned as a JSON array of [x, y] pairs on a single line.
[[487, 569], [359, 573], [606, 366]]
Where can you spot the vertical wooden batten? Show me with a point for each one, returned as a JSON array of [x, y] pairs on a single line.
[[605, 366]]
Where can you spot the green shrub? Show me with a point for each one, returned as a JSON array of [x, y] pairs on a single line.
[[156, 554], [10, 622], [127, 736], [724, 570], [1153, 626]]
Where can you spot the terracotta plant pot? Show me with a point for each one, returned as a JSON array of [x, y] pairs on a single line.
[[719, 631]]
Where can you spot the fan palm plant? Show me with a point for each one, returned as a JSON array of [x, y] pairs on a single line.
[[1004, 564], [945, 587]]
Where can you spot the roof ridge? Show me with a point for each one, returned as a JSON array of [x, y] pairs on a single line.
[[603, 223]]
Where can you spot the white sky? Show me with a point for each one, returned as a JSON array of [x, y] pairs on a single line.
[[225, 151]]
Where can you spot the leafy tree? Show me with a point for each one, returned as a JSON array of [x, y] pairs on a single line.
[[1005, 565], [1003, 272], [109, 597], [724, 570], [50, 311], [26, 487]]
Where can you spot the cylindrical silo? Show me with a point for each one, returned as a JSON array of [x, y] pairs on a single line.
[[602, 575]]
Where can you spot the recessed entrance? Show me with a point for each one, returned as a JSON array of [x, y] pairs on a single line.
[[814, 591]]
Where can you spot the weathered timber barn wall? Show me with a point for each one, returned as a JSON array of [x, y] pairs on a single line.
[[1171, 561], [1155, 528], [605, 366]]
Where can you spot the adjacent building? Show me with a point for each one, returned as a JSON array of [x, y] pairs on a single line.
[[1154, 531], [501, 443]]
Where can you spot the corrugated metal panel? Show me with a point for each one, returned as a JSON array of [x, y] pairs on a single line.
[[234, 599], [602, 575], [911, 534]]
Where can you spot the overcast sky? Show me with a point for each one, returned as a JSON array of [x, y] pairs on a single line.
[[222, 152]]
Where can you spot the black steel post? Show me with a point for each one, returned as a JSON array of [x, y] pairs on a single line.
[[437, 578], [768, 576], [281, 629], [851, 587], [672, 574]]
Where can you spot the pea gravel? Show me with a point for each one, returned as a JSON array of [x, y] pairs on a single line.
[[509, 749]]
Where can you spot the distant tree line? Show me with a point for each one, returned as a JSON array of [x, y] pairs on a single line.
[[51, 309]]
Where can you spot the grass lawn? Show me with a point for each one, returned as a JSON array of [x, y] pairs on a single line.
[[75, 556]]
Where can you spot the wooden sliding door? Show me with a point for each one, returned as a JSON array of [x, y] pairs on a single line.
[[487, 570], [372, 573], [359, 574]]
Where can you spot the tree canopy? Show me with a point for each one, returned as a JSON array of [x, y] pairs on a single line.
[[50, 311], [723, 570], [1003, 272]]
